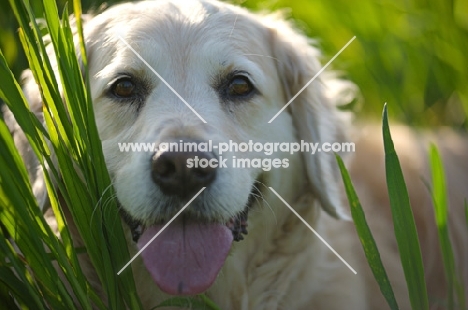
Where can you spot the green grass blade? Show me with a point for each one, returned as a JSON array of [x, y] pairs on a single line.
[[403, 221], [64, 143], [17, 283], [200, 302], [6, 288], [11, 94], [34, 130], [367, 240], [23, 220], [439, 197], [466, 212], [73, 135]]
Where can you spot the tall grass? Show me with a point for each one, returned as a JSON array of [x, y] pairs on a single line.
[[403, 221], [405, 229], [367, 240], [83, 183], [439, 195]]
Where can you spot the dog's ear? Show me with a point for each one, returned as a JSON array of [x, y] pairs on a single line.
[[315, 115]]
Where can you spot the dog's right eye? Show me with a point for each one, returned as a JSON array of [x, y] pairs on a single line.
[[239, 86], [123, 88]]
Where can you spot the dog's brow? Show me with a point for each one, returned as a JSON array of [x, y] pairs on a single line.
[[162, 79]]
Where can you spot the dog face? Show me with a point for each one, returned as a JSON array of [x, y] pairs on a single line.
[[150, 61], [191, 49]]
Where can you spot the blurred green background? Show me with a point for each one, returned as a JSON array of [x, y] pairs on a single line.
[[409, 53]]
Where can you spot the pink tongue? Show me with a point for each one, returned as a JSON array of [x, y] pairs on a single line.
[[187, 256]]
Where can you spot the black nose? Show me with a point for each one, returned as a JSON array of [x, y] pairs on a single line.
[[170, 172]]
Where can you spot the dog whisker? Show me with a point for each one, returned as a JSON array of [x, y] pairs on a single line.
[[101, 204], [262, 197]]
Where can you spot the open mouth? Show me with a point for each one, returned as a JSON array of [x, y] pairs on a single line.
[[186, 257], [237, 224]]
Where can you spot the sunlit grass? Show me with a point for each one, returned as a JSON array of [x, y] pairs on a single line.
[[405, 229], [440, 200], [367, 240], [83, 181]]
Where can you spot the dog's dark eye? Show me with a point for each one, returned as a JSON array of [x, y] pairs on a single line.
[[123, 88], [240, 86]]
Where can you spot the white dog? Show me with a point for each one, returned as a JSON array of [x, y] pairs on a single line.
[[148, 61]]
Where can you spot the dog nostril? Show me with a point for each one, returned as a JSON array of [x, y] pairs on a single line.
[[170, 172], [164, 168]]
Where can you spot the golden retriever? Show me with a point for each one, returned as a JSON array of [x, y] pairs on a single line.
[[196, 71]]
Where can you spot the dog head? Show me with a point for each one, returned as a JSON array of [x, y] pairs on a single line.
[[201, 72]]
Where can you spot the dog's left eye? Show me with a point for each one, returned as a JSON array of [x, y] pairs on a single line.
[[123, 88], [240, 86]]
